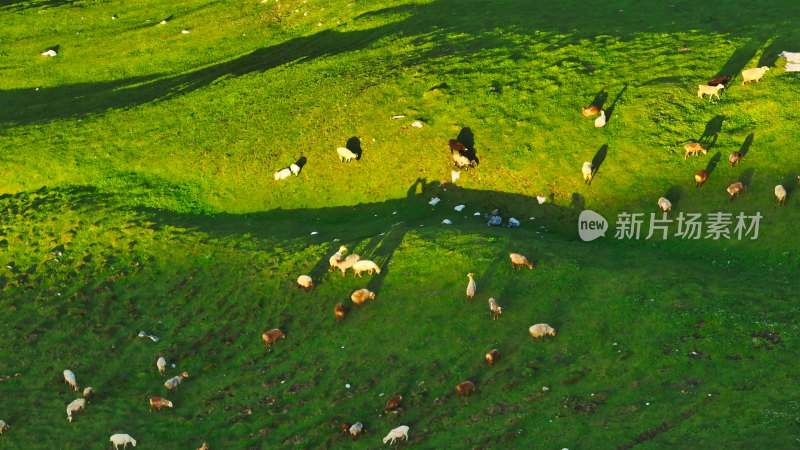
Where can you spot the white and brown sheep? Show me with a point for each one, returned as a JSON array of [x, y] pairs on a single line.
[[471, 288], [159, 402], [393, 403], [69, 378], [465, 388], [356, 429], [780, 194], [711, 91], [337, 257], [693, 148], [88, 393], [700, 178], [345, 154], [519, 260], [492, 357], [494, 309], [541, 330], [397, 433], [461, 161], [365, 265], [735, 189], [456, 146], [753, 74], [272, 335], [590, 111], [339, 311], [122, 439], [587, 170], [664, 204], [734, 158], [173, 382], [78, 404], [361, 295], [347, 263], [3, 426], [304, 282], [720, 80]]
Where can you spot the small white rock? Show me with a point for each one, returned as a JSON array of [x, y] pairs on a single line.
[[314, 232], [184, 31], [540, 199], [347, 385], [459, 207], [398, 117], [647, 404], [416, 124], [545, 389], [447, 222], [163, 22], [50, 52], [477, 214], [454, 175], [434, 201]]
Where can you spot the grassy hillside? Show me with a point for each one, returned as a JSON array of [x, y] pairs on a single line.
[[138, 194]]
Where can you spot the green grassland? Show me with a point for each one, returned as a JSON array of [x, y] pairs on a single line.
[[137, 193]]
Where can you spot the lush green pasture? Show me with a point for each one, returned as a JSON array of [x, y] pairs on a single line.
[[136, 174]]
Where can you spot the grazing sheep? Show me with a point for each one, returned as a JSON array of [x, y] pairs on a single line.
[[461, 161], [541, 330], [283, 173], [345, 154], [711, 91], [365, 264], [471, 287], [393, 403], [492, 357], [590, 111], [664, 204], [69, 378], [78, 404], [753, 74], [304, 282], [158, 403], [735, 189], [494, 308], [693, 148], [456, 146], [3, 426], [88, 393], [798, 180], [399, 432], [346, 427], [123, 440], [339, 311], [161, 363], [360, 296], [587, 171], [347, 263], [700, 178], [465, 388], [173, 382], [356, 429], [720, 80], [204, 446], [337, 257], [519, 260], [734, 158], [295, 169], [780, 193], [600, 121], [272, 335]]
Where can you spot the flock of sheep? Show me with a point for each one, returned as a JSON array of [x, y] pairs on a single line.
[[695, 148], [359, 296]]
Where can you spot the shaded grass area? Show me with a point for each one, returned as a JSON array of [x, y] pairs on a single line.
[[81, 278]]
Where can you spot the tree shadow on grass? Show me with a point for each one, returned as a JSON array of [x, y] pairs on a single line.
[[740, 57], [747, 177]]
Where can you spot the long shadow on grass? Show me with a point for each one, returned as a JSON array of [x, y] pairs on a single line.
[[560, 24], [748, 141], [711, 133]]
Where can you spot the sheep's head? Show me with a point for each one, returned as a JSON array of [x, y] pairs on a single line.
[[764, 68], [168, 403], [342, 249], [720, 86], [184, 374], [372, 295]]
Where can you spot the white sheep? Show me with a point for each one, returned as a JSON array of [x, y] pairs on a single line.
[[541, 330], [78, 404], [173, 382], [461, 161], [587, 170], [780, 193], [471, 288], [347, 263], [399, 432], [711, 91], [494, 308], [345, 154], [356, 429], [304, 281], [69, 378], [283, 173], [161, 364], [295, 169], [365, 264], [664, 204], [600, 121], [337, 257], [3, 426], [122, 439], [753, 74], [88, 392]]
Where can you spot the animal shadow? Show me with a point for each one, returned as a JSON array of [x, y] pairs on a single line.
[[711, 133], [675, 194], [301, 162], [597, 161], [354, 145], [712, 163], [466, 137], [610, 109], [746, 177], [600, 99], [578, 202]]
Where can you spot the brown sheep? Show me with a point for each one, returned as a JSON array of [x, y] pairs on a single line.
[[271, 336], [492, 357], [735, 189], [590, 111], [720, 80], [693, 148], [465, 388], [204, 446], [339, 311], [700, 178], [393, 403], [346, 427], [456, 146], [158, 403], [519, 260], [360, 296], [734, 158]]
